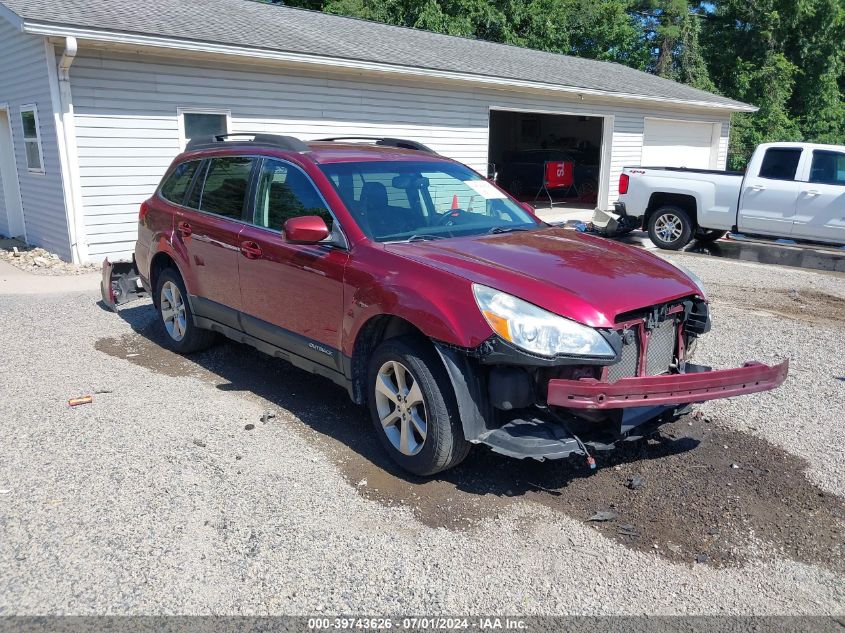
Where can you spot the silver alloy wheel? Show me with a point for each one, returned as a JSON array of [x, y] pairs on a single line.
[[401, 408], [668, 227], [173, 311]]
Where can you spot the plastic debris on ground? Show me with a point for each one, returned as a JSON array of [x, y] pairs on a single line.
[[604, 515]]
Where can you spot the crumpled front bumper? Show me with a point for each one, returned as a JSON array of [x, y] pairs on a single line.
[[698, 384]]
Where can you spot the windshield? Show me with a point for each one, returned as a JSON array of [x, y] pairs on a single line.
[[404, 201]]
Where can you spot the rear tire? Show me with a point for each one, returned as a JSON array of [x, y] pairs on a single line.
[[413, 407], [176, 318], [670, 228]]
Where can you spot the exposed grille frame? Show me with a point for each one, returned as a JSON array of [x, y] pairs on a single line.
[[649, 352], [661, 346], [629, 358]]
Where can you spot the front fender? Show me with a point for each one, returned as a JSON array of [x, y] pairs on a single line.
[[443, 312]]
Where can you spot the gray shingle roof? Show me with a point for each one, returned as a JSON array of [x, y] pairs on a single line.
[[277, 28]]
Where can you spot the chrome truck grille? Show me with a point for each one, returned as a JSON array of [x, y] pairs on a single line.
[[658, 346]]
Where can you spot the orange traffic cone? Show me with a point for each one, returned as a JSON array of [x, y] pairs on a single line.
[[455, 202]]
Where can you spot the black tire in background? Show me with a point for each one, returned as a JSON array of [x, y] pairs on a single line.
[[670, 227], [444, 445], [192, 339], [709, 235]]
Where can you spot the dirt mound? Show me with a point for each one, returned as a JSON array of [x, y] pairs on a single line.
[[801, 305]]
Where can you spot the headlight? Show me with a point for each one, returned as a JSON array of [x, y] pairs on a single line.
[[693, 278], [536, 330]]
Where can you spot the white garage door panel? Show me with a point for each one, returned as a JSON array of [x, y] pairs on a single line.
[[678, 144]]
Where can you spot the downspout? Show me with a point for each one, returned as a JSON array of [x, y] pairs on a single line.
[[65, 62], [68, 152]]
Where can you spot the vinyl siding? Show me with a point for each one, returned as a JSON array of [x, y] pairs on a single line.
[[24, 80], [127, 129]]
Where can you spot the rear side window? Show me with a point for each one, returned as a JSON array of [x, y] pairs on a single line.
[[780, 163], [177, 183], [828, 168], [284, 192], [225, 187]]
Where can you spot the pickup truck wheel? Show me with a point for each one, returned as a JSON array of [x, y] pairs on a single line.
[[670, 228], [174, 311], [413, 408], [709, 235]]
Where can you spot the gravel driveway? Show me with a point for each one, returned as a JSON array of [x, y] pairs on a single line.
[[169, 494]]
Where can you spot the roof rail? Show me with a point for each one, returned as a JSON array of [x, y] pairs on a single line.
[[385, 141], [257, 138]]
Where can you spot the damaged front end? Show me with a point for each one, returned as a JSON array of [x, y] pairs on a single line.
[[523, 405], [121, 284]]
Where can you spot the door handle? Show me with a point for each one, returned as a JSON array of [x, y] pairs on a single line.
[[812, 192], [184, 228], [758, 187], [251, 250]]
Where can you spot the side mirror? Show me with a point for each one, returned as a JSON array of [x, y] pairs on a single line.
[[306, 229]]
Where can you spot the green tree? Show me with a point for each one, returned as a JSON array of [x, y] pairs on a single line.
[[606, 30], [785, 57]]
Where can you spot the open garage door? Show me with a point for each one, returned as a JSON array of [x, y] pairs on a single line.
[[670, 143], [521, 143]]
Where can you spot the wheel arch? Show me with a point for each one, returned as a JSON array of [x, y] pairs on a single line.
[[370, 335], [687, 202], [468, 386], [161, 261]]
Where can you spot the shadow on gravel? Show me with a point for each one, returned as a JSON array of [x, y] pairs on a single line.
[[707, 494]]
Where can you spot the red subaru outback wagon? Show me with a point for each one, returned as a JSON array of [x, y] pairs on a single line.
[[430, 294]]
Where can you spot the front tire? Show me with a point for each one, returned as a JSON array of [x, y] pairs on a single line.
[[670, 228], [176, 318], [413, 407]]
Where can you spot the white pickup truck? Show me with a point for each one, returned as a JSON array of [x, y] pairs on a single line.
[[789, 190]]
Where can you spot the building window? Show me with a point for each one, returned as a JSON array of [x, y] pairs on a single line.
[[199, 123], [32, 139]]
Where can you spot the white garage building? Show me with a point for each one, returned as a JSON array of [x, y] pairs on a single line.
[[97, 97]]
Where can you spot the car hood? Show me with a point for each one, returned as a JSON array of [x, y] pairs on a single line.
[[585, 278]]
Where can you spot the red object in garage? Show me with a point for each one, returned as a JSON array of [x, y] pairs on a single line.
[[559, 174]]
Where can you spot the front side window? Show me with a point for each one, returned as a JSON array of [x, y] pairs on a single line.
[[285, 192], [401, 200], [780, 163], [828, 167], [203, 124], [225, 187], [177, 183], [32, 139]]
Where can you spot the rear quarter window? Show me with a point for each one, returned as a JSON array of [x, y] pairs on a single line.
[[178, 181], [225, 186]]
